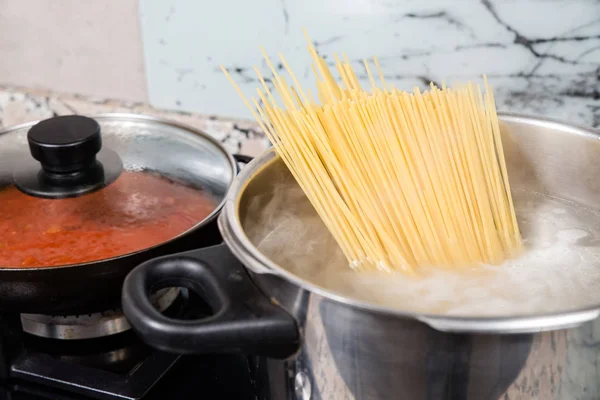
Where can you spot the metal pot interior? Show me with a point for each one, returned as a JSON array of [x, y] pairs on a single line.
[[272, 227]]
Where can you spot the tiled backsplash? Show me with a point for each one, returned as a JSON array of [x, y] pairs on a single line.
[[535, 52]]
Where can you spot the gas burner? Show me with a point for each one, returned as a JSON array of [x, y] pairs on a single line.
[[89, 326]]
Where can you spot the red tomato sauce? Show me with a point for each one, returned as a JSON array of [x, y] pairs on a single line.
[[137, 211]]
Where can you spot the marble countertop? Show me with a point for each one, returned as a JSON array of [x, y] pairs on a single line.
[[579, 105], [18, 105]]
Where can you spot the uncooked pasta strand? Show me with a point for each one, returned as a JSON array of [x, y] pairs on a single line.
[[400, 179]]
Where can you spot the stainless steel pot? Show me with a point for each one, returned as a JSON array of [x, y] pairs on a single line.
[[330, 346]]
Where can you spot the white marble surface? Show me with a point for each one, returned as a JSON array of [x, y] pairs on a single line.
[[19, 105], [542, 56]]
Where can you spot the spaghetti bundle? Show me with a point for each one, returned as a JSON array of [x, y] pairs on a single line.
[[400, 179]]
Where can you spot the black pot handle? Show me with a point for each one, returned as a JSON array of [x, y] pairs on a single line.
[[242, 158], [243, 319]]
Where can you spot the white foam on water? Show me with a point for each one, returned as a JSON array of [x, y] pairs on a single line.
[[560, 269]]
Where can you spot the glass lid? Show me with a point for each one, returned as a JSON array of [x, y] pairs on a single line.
[[76, 189]]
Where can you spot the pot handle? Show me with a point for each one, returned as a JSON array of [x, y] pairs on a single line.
[[242, 158], [243, 319]]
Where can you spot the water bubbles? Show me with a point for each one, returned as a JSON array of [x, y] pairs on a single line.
[[560, 269]]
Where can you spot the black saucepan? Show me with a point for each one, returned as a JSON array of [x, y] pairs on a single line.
[[73, 155]]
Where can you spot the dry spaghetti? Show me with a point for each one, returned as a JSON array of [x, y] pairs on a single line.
[[400, 179]]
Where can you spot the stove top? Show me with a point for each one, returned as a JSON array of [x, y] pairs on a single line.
[[93, 325], [192, 377], [115, 366]]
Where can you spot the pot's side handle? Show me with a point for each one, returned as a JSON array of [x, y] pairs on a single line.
[[243, 319], [242, 158]]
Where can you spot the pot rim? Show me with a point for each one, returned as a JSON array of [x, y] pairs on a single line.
[[235, 237], [139, 117]]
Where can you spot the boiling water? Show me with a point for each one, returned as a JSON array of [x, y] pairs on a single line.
[[560, 269]]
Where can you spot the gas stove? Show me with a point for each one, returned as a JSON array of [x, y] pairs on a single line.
[[98, 356], [93, 325]]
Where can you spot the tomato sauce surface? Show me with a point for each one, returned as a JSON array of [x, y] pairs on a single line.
[[137, 211]]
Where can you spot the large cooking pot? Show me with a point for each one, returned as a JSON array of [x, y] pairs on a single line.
[[313, 342], [72, 168]]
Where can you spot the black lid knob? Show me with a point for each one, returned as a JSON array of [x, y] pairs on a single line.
[[65, 144], [73, 163]]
